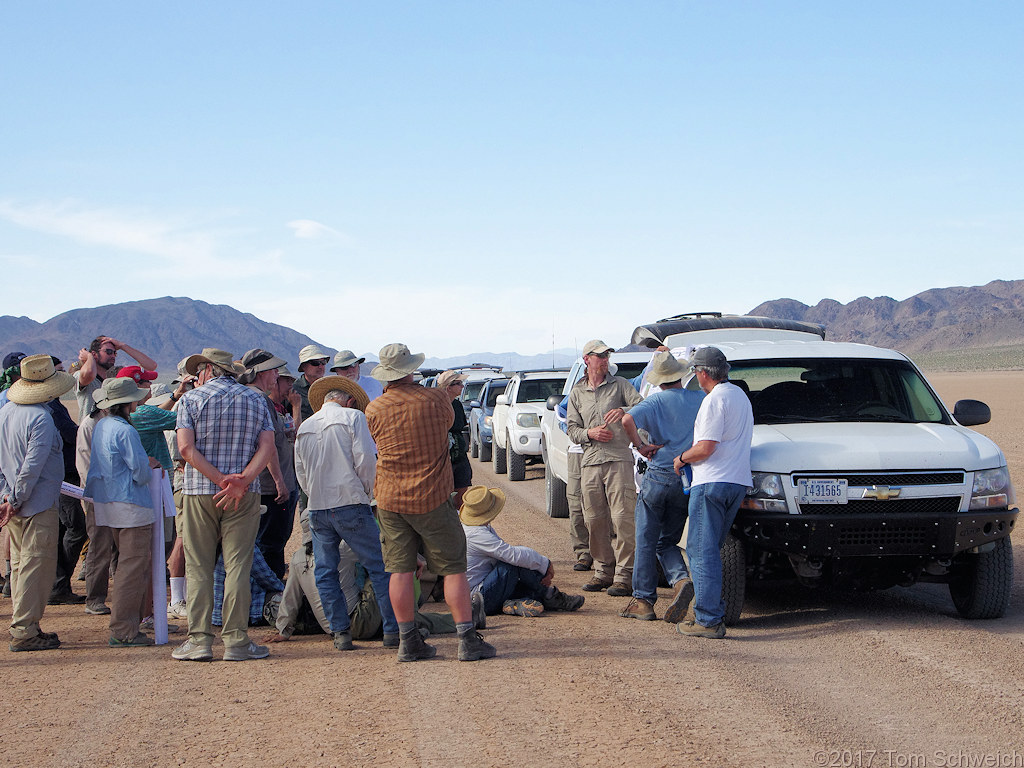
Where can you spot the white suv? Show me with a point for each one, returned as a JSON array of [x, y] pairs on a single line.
[[862, 477], [516, 419]]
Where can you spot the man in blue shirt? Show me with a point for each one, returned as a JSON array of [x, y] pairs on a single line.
[[667, 416]]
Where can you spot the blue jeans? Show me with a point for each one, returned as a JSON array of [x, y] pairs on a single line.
[[713, 508], [660, 517], [507, 582], [355, 525]]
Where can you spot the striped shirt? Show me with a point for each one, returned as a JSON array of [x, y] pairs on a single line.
[[409, 424], [227, 419]]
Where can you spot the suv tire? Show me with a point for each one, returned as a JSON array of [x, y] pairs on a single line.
[[474, 446], [485, 452], [516, 462], [734, 578], [554, 492], [981, 583], [499, 454]]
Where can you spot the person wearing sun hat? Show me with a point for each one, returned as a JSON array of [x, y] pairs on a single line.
[[347, 364], [409, 424], [226, 437], [462, 472], [312, 366], [118, 484], [336, 461], [511, 579], [31, 473]]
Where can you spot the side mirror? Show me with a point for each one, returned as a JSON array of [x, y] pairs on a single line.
[[970, 413], [474, 404], [501, 400], [552, 402]]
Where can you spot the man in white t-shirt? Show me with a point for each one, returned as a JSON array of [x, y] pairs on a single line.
[[720, 459]]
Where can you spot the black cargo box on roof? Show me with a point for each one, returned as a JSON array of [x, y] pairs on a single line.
[[653, 335]]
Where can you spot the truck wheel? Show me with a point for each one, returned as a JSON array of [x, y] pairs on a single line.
[[981, 583], [554, 491], [499, 453], [485, 452], [516, 462], [734, 577], [474, 447]]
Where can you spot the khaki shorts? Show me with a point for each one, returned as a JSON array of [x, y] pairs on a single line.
[[439, 531]]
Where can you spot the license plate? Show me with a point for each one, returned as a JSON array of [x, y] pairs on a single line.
[[822, 491]]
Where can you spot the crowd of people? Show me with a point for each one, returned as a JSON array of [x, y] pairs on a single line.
[[374, 466]]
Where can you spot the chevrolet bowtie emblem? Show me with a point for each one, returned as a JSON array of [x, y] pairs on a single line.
[[881, 492]]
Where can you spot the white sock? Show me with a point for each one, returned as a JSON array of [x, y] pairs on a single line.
[[177, 589]]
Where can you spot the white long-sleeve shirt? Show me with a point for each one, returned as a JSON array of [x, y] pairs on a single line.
[[484, 548], [335, 457]]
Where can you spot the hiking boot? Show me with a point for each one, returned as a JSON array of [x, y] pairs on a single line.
[[638, 609], [97, 609], [177, 610], [246, 652], [65, 598], [412, 648], [190, 651], [473, 647], [596, 585], [583, 563], [526, 607], [676, 610], [479, 614], [391, 640], [559, 601], [343, 641], [696, 629], [620, 589], [41, 642], [138, 641]]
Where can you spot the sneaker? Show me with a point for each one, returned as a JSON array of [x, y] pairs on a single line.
[[247, 652], [696, 629], [65, 598], [138, 641], [479, 614], [177, 610], [526, 607], [190, 651], [676, 610], [473, 647], [638, 609], [596, 585], [559, 601], [148, 623], [620, 589], [412, 648], [97, 609], [342, 641], [41, 642], [583, 563]]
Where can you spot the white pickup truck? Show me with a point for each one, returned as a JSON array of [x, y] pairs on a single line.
[[516, 419], [862, 476]]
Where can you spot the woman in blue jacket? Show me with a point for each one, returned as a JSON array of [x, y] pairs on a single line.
[[118, 484]]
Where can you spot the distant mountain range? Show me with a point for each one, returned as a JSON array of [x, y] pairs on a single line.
[[932, 325]]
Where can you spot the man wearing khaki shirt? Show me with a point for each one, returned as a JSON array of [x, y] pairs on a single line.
[[597, 404]]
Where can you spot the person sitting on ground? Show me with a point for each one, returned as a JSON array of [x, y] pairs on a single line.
[[512, 579], [118, 484], [264, 585]]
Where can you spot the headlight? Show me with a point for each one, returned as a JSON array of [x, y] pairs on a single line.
[[992, 488], [767, 495], [528, 420], [487, 421]]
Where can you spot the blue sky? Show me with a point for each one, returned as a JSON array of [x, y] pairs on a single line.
[[505, 176]]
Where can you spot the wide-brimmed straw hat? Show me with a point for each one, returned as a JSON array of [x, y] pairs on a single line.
[[319, 389], [665, 368], [40, 382], [481, 504], [447, 378], [121, 389], [345, 359], [396, 362], [218, 358]]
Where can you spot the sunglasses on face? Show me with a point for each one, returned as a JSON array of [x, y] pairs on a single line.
[[317, 363]]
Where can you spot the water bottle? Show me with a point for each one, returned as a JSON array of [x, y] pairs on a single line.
[[686, 477]]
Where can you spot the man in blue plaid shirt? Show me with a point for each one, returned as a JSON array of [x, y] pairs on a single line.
[[226, 436]]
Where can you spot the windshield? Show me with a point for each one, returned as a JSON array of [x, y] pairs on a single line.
[[830, 389], [471, 390], [538, 390], [495, 389]]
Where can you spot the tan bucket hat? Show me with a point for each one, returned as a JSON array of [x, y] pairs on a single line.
[[665, 368], [319, 389], [218, 358], [396, 362], [311, 352], [40, 382], [449, 377], [119, 390], [481, 504], [346, 358]]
